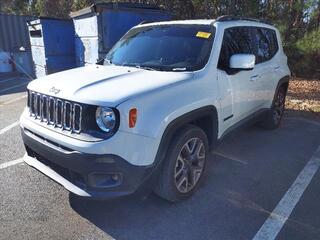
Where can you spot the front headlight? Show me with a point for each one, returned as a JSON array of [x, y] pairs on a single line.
[[106, 119]]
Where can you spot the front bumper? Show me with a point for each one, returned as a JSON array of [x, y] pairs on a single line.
[[88, 175]]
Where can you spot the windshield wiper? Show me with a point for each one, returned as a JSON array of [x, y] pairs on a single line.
[[140, 67], [146, 68]]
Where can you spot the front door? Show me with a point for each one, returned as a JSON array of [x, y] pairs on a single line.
[[238, 88]]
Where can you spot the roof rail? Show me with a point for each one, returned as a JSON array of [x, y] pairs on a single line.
[[145, 22], [226, 18], [151, 21]]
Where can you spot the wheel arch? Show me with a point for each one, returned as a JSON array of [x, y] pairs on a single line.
[[282, 82], [205, 118]]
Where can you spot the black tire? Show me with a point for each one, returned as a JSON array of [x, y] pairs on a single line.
[[274, 116], [182, 168]]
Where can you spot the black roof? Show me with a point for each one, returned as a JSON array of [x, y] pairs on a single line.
[[238, 18]]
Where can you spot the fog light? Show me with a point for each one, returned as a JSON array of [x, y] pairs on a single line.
[[105, 180], [115, 177]]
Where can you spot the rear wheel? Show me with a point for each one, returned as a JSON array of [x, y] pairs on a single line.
[[275, 114], [184, 165]]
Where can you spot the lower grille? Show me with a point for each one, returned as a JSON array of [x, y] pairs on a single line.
[[57, 112], [74, 177]]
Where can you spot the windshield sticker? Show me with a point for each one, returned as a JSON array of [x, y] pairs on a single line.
[[205, 35]]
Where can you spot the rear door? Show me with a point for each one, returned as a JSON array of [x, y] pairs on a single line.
[[265, 46]]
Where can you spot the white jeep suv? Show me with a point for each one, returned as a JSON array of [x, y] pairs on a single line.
[[167, 93]]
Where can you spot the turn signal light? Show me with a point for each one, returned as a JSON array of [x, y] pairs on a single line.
[[132, 117]]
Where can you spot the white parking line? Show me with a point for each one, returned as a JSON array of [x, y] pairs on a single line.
[[13, 87], [10, 79], [7, 128], [13, 100], [11, 163], [273, 225]]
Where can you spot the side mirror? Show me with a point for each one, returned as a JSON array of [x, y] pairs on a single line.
[[242, 61]]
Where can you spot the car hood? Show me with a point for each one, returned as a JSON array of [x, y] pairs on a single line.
[[104, 85]]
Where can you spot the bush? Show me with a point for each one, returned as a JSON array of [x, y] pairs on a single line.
[[310, 43], [304, 56]]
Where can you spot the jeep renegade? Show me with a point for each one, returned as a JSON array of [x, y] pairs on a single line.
[[166, 94]]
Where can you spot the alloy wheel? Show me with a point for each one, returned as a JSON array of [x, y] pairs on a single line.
[[189, 165]]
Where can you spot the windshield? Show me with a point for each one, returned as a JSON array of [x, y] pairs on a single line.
[[164, 48]]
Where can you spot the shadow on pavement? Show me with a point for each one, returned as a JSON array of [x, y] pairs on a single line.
[[245, 179], [150, 217]]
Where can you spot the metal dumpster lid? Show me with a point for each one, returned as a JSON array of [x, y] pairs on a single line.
[[38, 20], [114, 5]]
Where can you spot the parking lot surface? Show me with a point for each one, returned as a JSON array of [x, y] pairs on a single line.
[[254, 178]]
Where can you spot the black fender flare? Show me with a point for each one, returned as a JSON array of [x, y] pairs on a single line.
[[187, 118], [168, 134], [282, 81]]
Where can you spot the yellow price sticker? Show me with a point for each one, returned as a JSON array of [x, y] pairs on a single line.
[[205, 35]]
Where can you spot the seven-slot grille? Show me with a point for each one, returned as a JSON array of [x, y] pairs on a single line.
[[57, 112]]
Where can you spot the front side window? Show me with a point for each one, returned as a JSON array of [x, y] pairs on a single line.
[[236, 40], [164, 47], [261, 42]]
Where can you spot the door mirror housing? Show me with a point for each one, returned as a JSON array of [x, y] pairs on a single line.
[[242, 61]]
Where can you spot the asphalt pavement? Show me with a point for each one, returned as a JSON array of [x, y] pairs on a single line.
[[254, 178]]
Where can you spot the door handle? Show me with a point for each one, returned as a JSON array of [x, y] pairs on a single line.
[[254, 78], [277, 68]]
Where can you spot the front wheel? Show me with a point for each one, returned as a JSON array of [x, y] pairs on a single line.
[[275, 114], [184, 165]]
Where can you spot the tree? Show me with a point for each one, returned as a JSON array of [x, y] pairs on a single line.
[[15, 6], [52, 8], [79, 4]]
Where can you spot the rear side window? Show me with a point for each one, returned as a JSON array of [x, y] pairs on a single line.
[[265, 42], [261, 42]]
